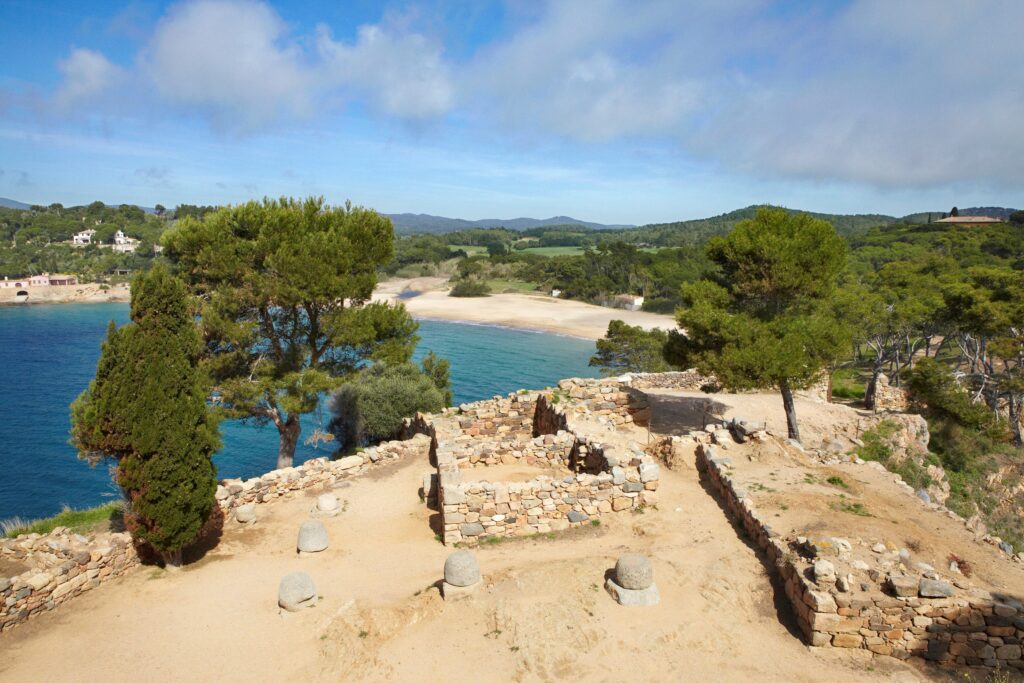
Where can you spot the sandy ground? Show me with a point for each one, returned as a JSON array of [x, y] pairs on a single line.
[[526, 311], [542, 614], [69, 294]]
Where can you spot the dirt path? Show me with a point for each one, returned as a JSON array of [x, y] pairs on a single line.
[[541, 616]]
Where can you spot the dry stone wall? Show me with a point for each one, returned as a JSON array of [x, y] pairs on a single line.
[[62, 565], [597, 480], [59, 566], [881, 606]]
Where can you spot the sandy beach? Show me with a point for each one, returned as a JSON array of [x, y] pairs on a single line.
[[524, 311]]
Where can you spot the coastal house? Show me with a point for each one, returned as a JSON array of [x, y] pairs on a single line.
[[43, 280], [83, 238], [629, 302], [124, 244]]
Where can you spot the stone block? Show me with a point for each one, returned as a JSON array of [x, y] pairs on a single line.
[[902, 585], [312, 537], [461, 569], [931, 588], [472, 529], [296, 591], [246, 514], [646, 597]]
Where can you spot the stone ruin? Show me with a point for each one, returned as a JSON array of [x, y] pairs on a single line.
[[578, 480]]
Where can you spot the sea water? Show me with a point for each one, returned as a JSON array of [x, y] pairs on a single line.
[[48, 355]]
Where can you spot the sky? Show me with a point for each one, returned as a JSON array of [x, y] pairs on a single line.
[[615, 111]]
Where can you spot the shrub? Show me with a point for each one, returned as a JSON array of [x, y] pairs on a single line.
[[468, 288], [371, 408], [147, 409]]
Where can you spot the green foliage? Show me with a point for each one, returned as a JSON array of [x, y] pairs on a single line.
[[436, 368], [371, 408], [469, 288], [147, 410], [627, 348], [769, 321], [285, 289], [933, 389], [878, 446], [79, 521]]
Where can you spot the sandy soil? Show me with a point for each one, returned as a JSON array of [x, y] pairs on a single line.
[[70, 294], [526, 311], [542, 614]]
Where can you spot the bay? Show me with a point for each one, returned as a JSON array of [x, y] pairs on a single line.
[[48, 355]]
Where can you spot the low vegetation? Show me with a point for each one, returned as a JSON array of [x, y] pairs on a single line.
[[79, 521]]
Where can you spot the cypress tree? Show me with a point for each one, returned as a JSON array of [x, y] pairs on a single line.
[[147, 410]]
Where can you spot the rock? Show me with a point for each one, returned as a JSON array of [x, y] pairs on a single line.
[[327, 504], [931, 588], [824, 571], [312, 537], [1006, 548], [296, 592], [649, 472], [348, 462], [5, 584], [472, 529], [245, 514], [923, 495], [878, 548], [39, 581], [634, 572], [646, 597], [622, 503], [461, 569], [860, 565], [903, 586], [575, 516]]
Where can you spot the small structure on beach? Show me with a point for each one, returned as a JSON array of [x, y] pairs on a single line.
[[42, 280]]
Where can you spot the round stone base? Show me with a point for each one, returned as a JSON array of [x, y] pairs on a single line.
[[450, 592], [647, 597]]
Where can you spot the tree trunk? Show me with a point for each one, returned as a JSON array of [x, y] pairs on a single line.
[[172, 558], [1015, 405], [289, 431], [787, 403], [871, 390]]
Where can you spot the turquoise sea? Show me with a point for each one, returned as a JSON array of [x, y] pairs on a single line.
[[48, 354]]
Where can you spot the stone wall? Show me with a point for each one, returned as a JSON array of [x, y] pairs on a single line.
[[597, 479], [686, 380], [888, 397], [58, 566], [61, 565], [880, 606], [317, 473]]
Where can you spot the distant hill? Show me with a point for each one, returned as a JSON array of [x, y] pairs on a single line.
[[12, 204], [421, 222]]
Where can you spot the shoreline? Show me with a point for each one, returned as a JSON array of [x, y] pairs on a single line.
[[531, 312], [526, 312]]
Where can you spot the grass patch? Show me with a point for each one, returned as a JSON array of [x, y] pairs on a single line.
[[502, 286], [852, 508], [837, 481], [878, 447], [79, 521], [848, 383]]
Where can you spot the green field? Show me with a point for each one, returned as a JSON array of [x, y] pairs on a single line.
[[469, 249], [79, 521], [554, 251]]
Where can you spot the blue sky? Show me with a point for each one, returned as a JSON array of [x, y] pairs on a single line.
[[606, 110]]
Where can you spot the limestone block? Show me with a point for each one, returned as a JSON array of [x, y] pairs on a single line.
[[461, 569], [902, 585], [327, 504], [932, 588], [634, 572], [348, 462], [312, 537], [649, 471], [646, 597], [296, 591]]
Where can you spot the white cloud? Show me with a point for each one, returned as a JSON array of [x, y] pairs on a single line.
[[402, 73], [231, 59], [86, 75]]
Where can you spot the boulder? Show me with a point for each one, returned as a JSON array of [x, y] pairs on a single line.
[[634, 572], [824, 571], [296, 591], [646, 597], [903, 586], [472, 529], [312, 537], [461, 569], [245, 514], [575, 516]]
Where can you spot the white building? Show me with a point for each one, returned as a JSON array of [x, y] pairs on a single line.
[[83, 238], [124, 244]]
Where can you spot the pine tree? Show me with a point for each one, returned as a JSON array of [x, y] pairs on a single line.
[[147, 410]]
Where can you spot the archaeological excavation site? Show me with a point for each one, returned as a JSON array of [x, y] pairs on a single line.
[[645, 524]]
